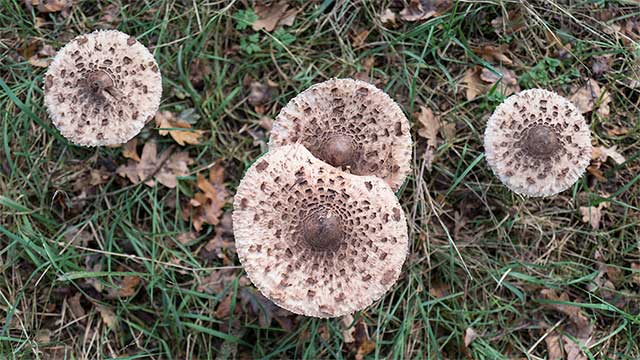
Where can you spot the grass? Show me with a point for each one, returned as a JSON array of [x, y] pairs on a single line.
[[480, 255]]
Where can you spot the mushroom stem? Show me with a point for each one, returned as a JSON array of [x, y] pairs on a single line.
[[322, 232], [338, 150]]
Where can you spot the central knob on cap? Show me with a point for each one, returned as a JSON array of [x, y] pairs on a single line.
[[322, 231], [338, 150], [99, 81], [541, 141]]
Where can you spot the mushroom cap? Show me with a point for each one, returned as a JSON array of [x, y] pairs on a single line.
[[537, 143], [349, 124], [316, 240], [101, 88]]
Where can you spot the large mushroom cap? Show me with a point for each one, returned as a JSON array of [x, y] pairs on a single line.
[[315, 240], [349, 124], [537, 143], [101, 88]]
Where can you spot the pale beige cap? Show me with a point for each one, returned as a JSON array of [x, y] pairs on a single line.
[[101, 88], [537, 143], [316, 240], [349, 124]]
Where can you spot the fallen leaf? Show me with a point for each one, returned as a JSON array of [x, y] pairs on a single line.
[[601, 154], [165, 168], [43, 57], [222, 245], [509, 24], [592, 215], [130, 150], [590, 96], [363, 343], [635, 267], [388, 17], [261, 94], [448, 132], [417, 10], [429, 126], [359, 38], [507, 83], [582, 328], [43, 336], [223, 310], [469, 336], [186, 238], [265, 309], [74, 305], [166, 120], [207, 204], [438, 290], [617, 131], [494, 54], [554, 348], [49, 6], [108, 316], [129, 285], [474, 85], [270, 16], [266, 123]]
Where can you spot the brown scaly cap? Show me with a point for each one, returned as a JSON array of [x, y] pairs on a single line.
[[316, 240], [537, 143], [349, 124], [101, 88]]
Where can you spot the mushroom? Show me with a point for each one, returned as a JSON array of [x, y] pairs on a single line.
[[101, 88], [316, 240], [537, 143], [349, 124]]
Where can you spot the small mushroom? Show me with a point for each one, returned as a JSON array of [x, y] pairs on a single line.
[[537, 143], [101, 88], [316, 240], [349, 124]]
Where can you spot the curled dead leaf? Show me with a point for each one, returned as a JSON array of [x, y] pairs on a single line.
[[164, 168], [591, 96], [417, 10], [169, 124], [273, 15]]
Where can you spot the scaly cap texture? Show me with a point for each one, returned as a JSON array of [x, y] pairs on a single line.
[[316, 240], [101, 88], [349, 124], [537, 143]]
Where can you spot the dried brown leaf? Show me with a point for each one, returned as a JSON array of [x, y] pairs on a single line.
[[590, 97], [348, 330], [169, 124], [469, 336], [164, 168], [130, 150], [207, 204], [601, 154], [583, 328], [494, 54], [49, 6], [507, 83], [417, 10], [474, 85], [270, 16], [429, 126], [74, 305], [108, 316], [129, 285], [388, 17], [554, 347], [592, 215]]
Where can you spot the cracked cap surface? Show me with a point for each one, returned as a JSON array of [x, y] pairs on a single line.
[[349, 124], [101, 88], [316, 240], [537, 143]]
